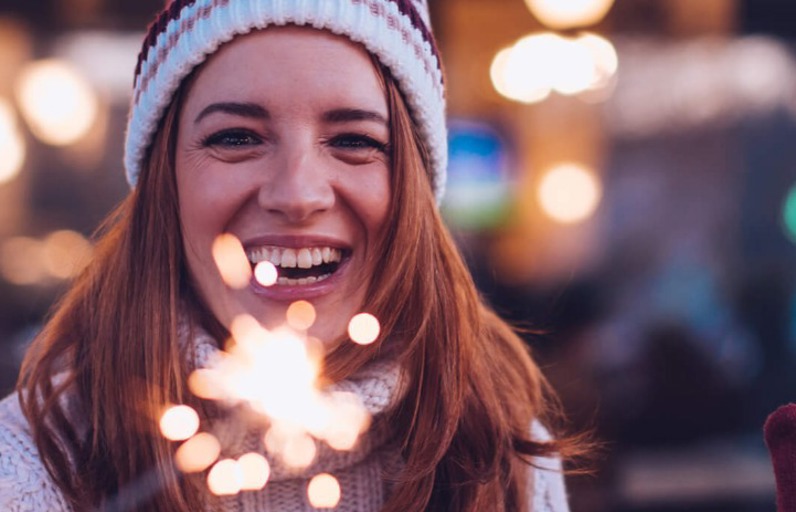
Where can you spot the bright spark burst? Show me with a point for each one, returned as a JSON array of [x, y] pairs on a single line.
[[275, 373], [231, 261], [179, 423], [324, 491], [364, 328]]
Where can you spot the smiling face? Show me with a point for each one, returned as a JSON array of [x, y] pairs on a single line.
[[283, 142]]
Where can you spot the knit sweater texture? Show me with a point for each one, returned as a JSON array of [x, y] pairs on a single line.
[[25, 485]]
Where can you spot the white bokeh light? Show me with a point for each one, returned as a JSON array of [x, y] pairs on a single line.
[[58, 104], [564, 14], [12, 145], [569, 193]]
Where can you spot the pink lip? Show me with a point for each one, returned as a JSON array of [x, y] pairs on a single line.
[[291, 293]]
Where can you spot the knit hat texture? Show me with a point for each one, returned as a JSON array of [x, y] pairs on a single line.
[[397, 32]]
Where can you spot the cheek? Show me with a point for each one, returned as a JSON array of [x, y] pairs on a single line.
[[371, 199]]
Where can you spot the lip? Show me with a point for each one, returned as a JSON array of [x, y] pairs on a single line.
[[291, 293]]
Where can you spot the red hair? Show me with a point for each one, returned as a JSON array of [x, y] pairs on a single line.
[[472, 388]]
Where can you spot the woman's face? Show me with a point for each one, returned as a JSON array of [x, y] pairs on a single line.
[[283, 142]]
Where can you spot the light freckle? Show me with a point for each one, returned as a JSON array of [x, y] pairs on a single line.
[[324, 491], [179, 423], [301, 315], [197, 453], [364, 328], [265, 273], [231, 260]]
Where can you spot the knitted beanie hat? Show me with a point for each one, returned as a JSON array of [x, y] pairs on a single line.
[[397, 32]]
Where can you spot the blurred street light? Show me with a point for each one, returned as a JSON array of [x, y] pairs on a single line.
[[569, 193], [565, 14], [56, 101], [12, 145]]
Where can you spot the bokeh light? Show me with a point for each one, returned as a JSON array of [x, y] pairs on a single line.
[[197, 453], [789, 213], [225, 478], [301, 315], [364, 328], [569, 193], [516, 81], [255, 470], [324, 491], [12, 144], [231, 261], [57, 102], [179, 422], [605, 61], [22, 261], [540, 63], [265, 273], [564, 14], [66, 253]]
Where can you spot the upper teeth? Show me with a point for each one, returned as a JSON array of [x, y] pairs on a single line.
[[287, 257]]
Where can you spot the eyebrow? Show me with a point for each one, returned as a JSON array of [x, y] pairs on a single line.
[[344, 115], [254, 111], [251, 110]]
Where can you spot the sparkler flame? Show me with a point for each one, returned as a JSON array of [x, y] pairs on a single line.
[[275, 374]]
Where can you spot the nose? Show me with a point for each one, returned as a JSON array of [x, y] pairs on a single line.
[[299, 188]]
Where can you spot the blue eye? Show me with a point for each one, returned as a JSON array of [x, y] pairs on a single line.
[[232, 139]]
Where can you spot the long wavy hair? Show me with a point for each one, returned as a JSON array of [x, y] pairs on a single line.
[[107, 361]]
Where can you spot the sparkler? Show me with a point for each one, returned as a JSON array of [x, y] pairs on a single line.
[[273, 373]]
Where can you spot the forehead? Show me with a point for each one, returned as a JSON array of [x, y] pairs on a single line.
[[290, 62]]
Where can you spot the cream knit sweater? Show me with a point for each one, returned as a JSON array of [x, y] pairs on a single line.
[[25, 485]]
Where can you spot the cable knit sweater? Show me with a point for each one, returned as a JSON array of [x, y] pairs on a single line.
[[25, 485]]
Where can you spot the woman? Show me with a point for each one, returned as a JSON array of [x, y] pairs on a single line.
[[306, 130]]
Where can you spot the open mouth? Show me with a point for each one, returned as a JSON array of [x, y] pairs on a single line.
[[299, 266]]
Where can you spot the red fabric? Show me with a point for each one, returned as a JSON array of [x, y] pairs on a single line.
[[780, 433]]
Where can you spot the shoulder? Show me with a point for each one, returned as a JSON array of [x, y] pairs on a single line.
[[25, 485], [547, 480]]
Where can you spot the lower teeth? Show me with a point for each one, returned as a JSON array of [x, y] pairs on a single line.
[[286, 281]]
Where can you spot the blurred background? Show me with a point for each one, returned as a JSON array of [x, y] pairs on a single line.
[[622, 182]]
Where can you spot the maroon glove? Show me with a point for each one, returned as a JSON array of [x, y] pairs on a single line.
[[780, 432]]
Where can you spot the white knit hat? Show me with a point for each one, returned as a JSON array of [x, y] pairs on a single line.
[[397, 32]]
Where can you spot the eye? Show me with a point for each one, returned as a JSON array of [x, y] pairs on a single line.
[[235, 138], [357, 142]]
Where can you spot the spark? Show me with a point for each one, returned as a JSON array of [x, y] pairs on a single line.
[[324, 491], [231, 261], [225, 478], [179, 423], [197, 453], [364, 328], [256, 471], [265, 273], [301, 315]]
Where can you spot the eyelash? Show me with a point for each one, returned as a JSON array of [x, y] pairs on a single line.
[[238, 139], [353, 141], [231, 139]]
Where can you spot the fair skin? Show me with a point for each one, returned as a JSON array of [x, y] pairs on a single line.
[[283, 142]]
